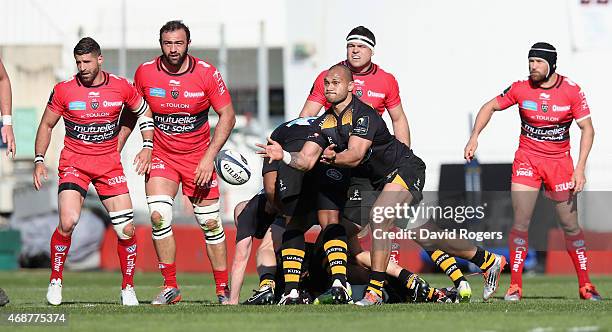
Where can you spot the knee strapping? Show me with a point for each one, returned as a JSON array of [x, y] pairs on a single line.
[[162, 224], [121, 219], [208, 219]]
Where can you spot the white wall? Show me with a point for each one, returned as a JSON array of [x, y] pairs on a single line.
[[450, 57]]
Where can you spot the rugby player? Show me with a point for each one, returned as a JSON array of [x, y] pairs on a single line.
[[548, 105], [180, 89], [90, 104]]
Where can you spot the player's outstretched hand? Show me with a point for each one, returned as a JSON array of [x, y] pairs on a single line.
[[40, 173], [8, 138], [272, 150], [470, 149], [329, 155], [203, 172], [578, 180], [142, 161]]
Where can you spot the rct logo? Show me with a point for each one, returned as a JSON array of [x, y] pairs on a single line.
[[60, 248], [578, 243], [519, 241]]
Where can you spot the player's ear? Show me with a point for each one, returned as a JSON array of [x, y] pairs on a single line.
[[351, 85], [100, 59]]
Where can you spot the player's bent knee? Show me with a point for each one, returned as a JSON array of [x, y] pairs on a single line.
[[123, 223], [160, 207], [208, 219]]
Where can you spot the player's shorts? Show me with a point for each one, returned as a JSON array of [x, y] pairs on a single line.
[[410, 174], [556, 173], [253, 221], [76, 171], [322, 188], [361, 198], [180, 168]]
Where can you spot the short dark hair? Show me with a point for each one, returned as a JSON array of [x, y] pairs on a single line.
[[173, 26], [346, 71], [87, 45]]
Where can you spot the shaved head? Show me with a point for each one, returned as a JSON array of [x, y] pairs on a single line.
[[338, 84], [343, 71]]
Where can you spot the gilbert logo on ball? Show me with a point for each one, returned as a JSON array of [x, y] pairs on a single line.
[[232, 167]]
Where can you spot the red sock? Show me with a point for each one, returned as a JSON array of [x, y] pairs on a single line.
[[60, 245], [220, 280], [126, 250], [169, 273], [576, 248], [518, 244]]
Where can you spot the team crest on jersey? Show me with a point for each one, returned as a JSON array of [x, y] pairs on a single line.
[[362, 126], [174, 94], [544, 108], [95, 104], [359, 93]]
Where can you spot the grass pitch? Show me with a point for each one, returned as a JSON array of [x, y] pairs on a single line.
[[91, 302]]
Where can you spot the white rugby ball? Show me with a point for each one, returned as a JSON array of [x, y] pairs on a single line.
[[232, 167]]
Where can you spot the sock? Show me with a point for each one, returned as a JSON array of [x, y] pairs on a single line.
[[335, 248], [377, 280], [483, 259], [266, 276], [168, 270], [576, 248], [126, 250], [518, 244], [292, 253], [220, 280], [448, 264], [60, 245]]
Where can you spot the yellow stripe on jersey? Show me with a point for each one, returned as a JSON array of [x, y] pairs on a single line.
[[329, 122]]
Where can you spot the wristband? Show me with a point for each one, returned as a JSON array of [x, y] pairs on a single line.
[[39, 158], [7, 120], [286, 157], [147, 144]]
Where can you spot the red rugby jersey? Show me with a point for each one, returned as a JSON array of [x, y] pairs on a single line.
[[546, 114], [91, 114], [374, 87], [180, 103]]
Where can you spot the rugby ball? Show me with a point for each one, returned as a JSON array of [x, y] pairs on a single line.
[[232, 167]]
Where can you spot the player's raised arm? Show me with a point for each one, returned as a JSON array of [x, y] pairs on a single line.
[[483, 117], [43, 138]]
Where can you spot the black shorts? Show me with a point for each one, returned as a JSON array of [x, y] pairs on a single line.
[[410, 174], [253, 220], [322, 188], [361, 198], [362, 192]]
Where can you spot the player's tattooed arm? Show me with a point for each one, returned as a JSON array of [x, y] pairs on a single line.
[[303, 160]]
